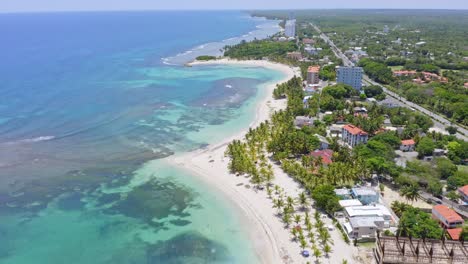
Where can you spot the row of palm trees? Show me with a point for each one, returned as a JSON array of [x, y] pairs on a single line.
[[299, 222]]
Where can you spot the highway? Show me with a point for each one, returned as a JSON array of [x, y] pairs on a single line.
[[439, 121]]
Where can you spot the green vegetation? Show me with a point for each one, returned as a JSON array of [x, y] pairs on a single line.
[[259, 49], [377, 71], [205, 58], [418, 224]]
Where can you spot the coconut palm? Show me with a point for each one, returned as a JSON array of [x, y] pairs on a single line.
[[398, 208], [278, 204], [290, 203], [410, 192], [297, 219], [303, 201], [277, 189], [294, 233], [327, 249], [317, 253], [303, 243], [287, 218]]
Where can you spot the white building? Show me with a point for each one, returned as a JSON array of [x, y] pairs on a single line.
[[290, 28], [350, 75], [350, 202], [364, 227], [353, 135], [377, 210]]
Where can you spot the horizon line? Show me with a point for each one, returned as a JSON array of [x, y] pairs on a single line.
[[229, 9]]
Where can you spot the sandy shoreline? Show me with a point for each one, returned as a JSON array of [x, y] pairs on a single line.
[[217, 175], [272, 242]]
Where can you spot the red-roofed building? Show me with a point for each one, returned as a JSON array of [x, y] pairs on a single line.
[[455, 233], [313, 74], [447, 217], [353, 135], [463, 191], [407, 145], [325, 154]]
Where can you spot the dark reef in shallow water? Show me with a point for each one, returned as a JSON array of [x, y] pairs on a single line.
[[154, 200], [187, 248]]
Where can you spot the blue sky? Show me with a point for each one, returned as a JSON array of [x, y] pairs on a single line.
[[79, 5]]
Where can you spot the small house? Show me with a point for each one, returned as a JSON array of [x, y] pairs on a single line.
[[407, 145], [447, 217]]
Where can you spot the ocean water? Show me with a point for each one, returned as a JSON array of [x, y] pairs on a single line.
[[90, 105]]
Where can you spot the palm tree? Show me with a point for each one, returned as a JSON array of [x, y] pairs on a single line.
[[278, 204], [287, 218], [317, 253], [277, 189], [297, 219], [303, 200], [303, 243], [294, 233], [410, 192], [269, 191], [290, 202], [398, 208], [327, 249]]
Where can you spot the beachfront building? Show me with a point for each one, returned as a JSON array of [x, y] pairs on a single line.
[[349, 202], [447, 217], [377, 210], [407, 145], [361, 228], [365, 195], [350, 75], [463, 191], [313, 74], [290, 28], [353, 135]]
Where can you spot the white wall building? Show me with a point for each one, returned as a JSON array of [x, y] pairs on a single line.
[[350, 75], [290, 28], [377, 210], [364, 227]]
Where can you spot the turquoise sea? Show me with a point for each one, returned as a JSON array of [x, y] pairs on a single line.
[[90, 105]]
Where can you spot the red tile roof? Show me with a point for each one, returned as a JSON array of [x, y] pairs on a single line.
[[408, 142], [326, 155], [449, 214], [354, 130], [454, 233], [464, 189], [315, 69]]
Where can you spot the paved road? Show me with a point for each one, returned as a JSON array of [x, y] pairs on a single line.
[[439, 121]]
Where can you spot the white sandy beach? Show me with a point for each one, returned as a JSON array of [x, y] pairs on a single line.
[[273, 243]]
